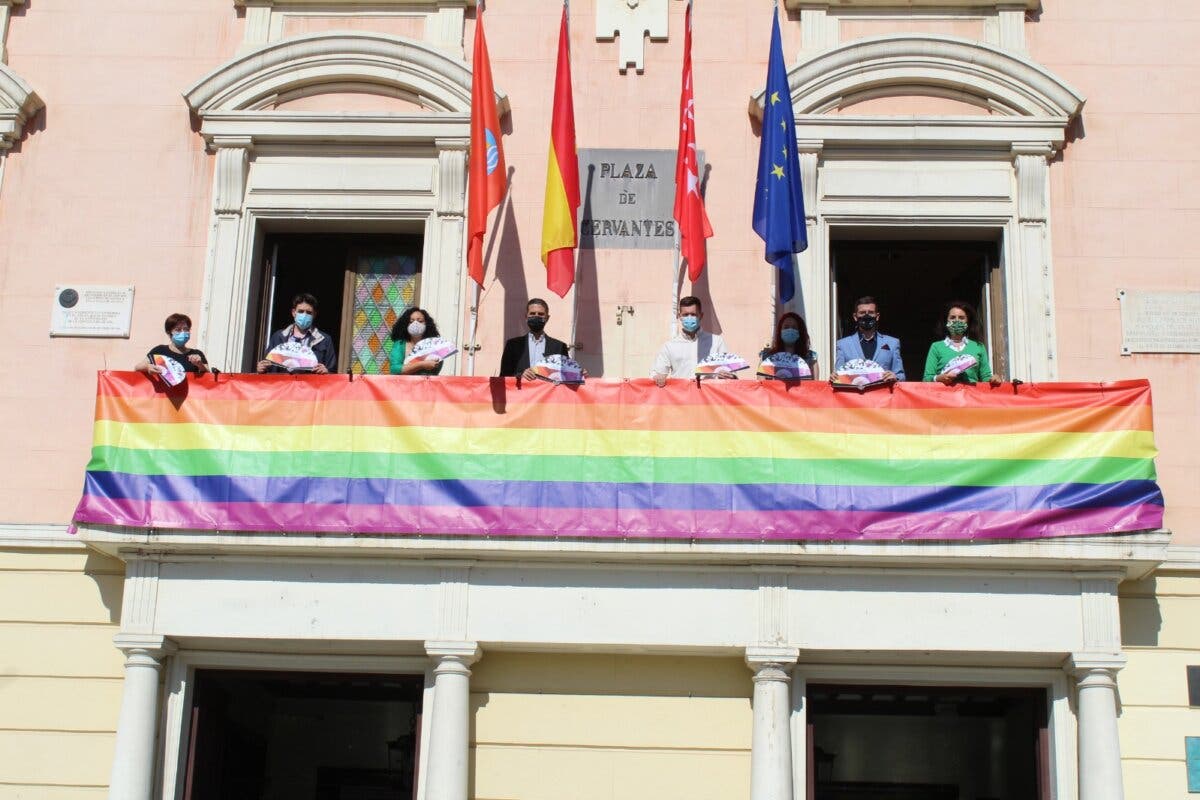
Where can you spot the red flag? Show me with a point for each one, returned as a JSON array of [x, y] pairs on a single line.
[[693, 223], [560, 227], [487, 172]]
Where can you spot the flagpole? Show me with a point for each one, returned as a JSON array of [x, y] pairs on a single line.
[[573, 345], [479, 289]]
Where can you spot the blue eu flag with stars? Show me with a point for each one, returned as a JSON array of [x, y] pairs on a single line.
[[778, 196]]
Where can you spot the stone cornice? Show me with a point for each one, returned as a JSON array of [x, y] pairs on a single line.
[[345, 59], [422, 4], [1127, 556], [793, 5], [898, 64]]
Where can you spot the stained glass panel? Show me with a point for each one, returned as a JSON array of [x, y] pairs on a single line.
[[384, 285]]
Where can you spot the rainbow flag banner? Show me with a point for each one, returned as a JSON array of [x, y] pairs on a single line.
[[718, 460]]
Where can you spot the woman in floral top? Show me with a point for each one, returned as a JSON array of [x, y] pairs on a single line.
[[961, 326]]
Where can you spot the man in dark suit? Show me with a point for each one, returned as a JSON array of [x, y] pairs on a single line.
[[522, 352], [868, 343]]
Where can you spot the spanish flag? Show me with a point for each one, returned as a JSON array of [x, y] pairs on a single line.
[[559, 221], [487, 172]]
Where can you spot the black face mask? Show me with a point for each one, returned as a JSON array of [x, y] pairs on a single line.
[[866, 323], [535, 323]]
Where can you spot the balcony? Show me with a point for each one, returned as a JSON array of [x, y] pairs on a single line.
[[474, 462]]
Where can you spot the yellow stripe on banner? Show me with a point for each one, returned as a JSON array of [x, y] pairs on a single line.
[[604, 443], [558, 224]]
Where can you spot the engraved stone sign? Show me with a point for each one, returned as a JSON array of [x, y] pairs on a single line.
[[1159, 322], [628, 197], [100, 311]]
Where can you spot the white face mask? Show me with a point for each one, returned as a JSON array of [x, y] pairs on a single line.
[[416, 328]]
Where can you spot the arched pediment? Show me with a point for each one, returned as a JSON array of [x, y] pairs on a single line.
[[926, 65], [18, 102], [356, 62]]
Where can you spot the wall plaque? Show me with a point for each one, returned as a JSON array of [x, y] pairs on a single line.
[[1159, 322], [100, 311], [628, 199]]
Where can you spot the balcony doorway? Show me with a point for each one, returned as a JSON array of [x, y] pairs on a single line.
[[362, 283], [285, 735], [927, 743], [911, 280]]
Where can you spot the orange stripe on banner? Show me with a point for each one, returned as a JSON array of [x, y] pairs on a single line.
[[604, 416]]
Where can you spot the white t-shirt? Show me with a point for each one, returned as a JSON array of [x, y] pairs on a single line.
[[679, 356]]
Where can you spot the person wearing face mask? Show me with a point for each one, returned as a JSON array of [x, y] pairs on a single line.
[[960, 325], [413, 325], [303, 331], [179, 328], [868, 343], [679, 356], [521, 353], [791, 336]]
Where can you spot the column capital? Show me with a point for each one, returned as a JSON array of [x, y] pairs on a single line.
[[1043, 149], [465, 653], [762, 657], [221, 142], [1085, 665], [145, 645]]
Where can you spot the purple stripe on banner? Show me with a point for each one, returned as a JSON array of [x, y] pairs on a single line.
[[617, 523], [601, 498]]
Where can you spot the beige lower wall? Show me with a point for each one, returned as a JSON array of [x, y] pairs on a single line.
[[1160, 632], [609, 727], [60, 676]]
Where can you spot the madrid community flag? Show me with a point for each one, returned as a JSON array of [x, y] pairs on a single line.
[[559, 220], [487, 173], [778, 196], [693, 223]]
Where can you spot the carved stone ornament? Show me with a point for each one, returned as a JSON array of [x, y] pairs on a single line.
[[632, 20]]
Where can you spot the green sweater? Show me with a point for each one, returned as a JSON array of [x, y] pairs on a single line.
[[399, 351], [940, 354]]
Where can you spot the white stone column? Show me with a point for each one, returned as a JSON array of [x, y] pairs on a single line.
[[771, 744], [223, 310], [1096, 712], [443, 277], [1030, 280], [450, 720], [137, 726], [812, 273]]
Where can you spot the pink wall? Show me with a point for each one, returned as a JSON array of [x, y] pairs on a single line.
[[1125, 199], [115, 153]]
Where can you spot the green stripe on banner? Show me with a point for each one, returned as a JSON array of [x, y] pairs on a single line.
[[622, 469]]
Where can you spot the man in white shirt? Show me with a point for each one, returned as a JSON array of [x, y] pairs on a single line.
[[678, 357]]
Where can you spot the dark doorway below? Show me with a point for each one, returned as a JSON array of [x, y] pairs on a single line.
[[287, 735], [927, 743]]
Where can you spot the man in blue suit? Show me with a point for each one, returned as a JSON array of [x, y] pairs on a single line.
[[868, 343]]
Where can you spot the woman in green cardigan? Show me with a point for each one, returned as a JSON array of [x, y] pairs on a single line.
[[959, 320], [412, 326]]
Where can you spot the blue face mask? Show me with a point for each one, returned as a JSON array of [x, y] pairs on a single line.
[[180, 338], [789, 335], [690, 323], [303, 320]]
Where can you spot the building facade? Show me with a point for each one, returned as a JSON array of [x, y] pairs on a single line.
[[1036, 159]]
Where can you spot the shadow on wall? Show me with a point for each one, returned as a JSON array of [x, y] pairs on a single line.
[[587, 286], [102, 570], [510, 270], [35, 124], [1141, 617]]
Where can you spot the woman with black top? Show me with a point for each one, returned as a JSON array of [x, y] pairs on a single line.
[[791, 336], [413, 325], [179, 329]]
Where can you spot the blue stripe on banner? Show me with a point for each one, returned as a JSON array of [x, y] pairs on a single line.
[[550, 494]]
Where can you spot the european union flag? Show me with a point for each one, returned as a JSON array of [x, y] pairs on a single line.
[[778, 196]]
